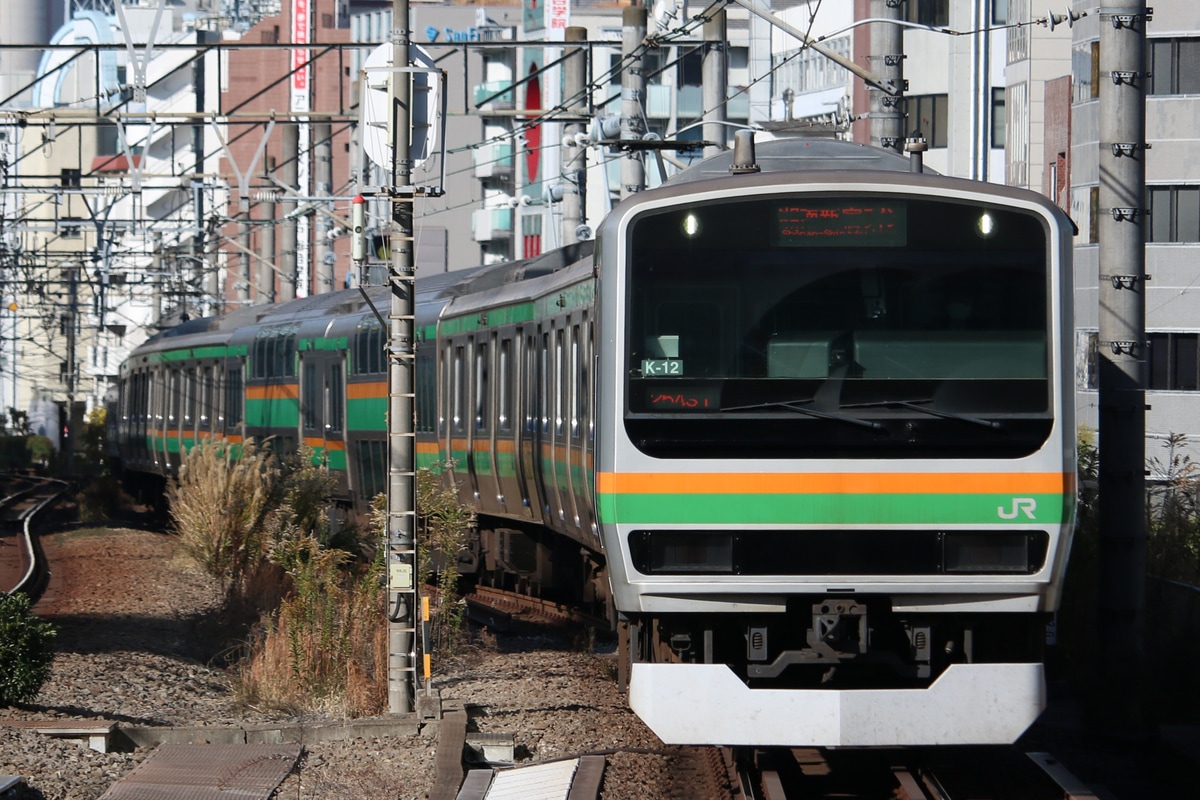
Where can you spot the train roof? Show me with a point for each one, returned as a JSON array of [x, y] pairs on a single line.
[[800, 155]]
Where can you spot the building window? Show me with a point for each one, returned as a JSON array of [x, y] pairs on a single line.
[[1094, 215], [1172, 362], [999, 12], [999, 120], [1085, 72], [1174, 213], [928, 116], [1174, 66], [928, 12]]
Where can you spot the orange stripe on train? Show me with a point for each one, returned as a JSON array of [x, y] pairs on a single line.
[[835, 483]]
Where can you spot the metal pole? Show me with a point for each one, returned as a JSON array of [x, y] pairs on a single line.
[[887, 62], [401, 518], [1122, 363], [714, 79], [323, 187], [243, 284], [289, 176], [574, 161], [265, 289], [633, 91]]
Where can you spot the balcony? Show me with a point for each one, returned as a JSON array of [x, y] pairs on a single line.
[[500, 94], [494, 160], [490, 224]]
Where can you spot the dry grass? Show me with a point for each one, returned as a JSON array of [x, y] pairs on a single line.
[[315, 613], [219, 504]]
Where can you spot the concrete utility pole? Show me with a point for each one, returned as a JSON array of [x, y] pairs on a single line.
[[887, 62], [714, 80], [574, 160], [1122, 362], [401, 516], [633, 93]]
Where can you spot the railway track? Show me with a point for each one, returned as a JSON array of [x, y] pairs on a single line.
[[24, 503], [979, 773]]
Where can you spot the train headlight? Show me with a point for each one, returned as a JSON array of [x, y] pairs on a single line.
[[691, 226], [991, 552], [985, 226]]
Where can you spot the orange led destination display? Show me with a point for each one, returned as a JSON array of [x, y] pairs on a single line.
[[825, 223]]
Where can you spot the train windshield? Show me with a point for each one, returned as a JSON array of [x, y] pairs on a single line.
[[867, 325]]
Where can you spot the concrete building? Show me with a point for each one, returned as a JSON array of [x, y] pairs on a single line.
[[101, 179], [1172, 228]]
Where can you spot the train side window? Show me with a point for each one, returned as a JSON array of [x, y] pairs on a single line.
[[157, 403], [311, 392], [218, 399], [206, 398], [371, 456], [189, 397], [504, 386], [172, 397], [335, 414], [547, 382], [444, 387], [368, 354], [530, 384], [588, 382], [233, 397], [560, 387], [481, 387], [574, 381], [457, 389]]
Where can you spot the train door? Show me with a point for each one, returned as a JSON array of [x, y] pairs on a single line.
[[456, 447], [172, 422], [206, 413], [508, 434], [529, 414], [572, 444], [483, 423], [581, 430], [234, 402], [323, 404], [556, 394]]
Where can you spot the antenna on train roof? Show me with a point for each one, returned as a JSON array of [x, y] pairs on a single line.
[[916, 146], [744, 161]]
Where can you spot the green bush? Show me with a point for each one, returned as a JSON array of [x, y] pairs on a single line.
[[26, 650]]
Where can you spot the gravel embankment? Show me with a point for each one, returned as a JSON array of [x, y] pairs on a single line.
[[133, 649]]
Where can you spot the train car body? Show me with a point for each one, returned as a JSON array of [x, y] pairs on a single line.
[[837, 478], [802, 429]]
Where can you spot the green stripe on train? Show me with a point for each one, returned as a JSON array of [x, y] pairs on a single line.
[[189, 353], [829, 509], [366, 414], [280, 413], [570, 298]]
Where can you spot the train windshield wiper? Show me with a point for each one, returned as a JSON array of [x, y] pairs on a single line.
[[799, 407], [917, 405]]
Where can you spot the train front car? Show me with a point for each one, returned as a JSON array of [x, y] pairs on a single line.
[[836, 481]]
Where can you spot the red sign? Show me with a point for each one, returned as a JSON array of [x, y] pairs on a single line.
[[300, 36]]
